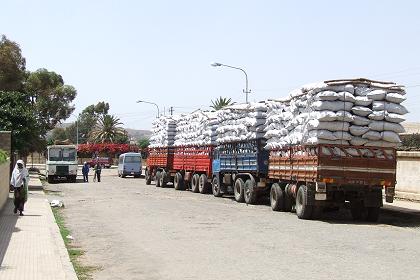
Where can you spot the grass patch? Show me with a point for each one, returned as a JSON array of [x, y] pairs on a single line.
[[83, 272]]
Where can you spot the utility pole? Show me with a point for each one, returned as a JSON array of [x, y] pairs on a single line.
[[171, 110]]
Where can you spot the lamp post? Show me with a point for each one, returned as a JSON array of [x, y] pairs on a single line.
[[77, 129], [246, 90], [147, 102]]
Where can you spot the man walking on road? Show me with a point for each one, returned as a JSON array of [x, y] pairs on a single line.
[[98, 169], [85, 171]]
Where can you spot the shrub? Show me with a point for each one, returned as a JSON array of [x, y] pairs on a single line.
[[3, 156]]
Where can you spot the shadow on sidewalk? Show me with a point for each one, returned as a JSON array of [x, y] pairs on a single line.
[[7, 228]]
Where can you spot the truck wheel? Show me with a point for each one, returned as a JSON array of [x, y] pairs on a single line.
[[372, 214], [250, 192], [215, 186], [356, 209], [50, 179], [277, 198], [238, 190], [162, 179], [194, 183], [202, 184], [157, 179], [148, 177], [288, 205], [303, 210], [178, 181]]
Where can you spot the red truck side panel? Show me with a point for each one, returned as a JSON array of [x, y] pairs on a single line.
[[161, 157], [345, 164], [194, 159]]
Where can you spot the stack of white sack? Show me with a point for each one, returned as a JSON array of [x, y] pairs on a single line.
[[358, 112], [196, 129], [241, 122], [163, 131]]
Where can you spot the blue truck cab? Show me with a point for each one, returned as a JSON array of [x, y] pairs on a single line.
[[240, 168]]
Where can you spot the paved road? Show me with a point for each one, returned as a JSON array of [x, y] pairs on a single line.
[[134, 231]]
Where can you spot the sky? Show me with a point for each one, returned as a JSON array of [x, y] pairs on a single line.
[[161, 51]]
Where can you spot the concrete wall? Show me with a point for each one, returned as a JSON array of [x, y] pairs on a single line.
[[5, 141], [4, 183], [408, 175]]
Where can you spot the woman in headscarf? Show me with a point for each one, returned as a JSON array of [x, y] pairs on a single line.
[[19, 182]]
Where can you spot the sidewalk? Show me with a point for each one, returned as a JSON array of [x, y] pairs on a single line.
[[31, 246]]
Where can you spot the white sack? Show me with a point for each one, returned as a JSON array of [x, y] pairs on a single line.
[[377, 94], [357, 130], [395, 97], [361, 111], [382, 126], [389, 107], [372, 135], [331, 105], [391, 136]]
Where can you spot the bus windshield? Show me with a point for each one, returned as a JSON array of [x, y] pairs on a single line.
[[132, 159], [62, 154]]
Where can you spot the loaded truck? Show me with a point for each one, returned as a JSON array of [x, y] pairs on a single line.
[[193, 168], [159, 167], [240, 168], [61, 163], [326, 176], [187, 167]]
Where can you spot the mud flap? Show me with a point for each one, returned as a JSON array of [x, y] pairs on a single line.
[[373, 199]]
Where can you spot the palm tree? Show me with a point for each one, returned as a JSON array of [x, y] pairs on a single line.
[[220, 103], [107, 129]]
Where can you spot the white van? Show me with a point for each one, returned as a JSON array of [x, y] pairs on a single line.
[[129, 164]]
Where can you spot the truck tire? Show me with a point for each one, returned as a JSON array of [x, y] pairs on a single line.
[[277, 198], [303, 210], [372, 214], [178, 181], [157, 179], [215, 186], [202, 184], [250, 192], [238, 190], [356, 209], [163, 179], [147, 177], [194, 183], [288, 205], [50, 179]]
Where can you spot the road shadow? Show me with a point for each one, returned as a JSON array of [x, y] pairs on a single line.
[[395, 216], [7, 228]]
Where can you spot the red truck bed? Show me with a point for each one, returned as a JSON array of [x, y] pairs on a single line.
[[193, 158], [161, 157], [340, 165]]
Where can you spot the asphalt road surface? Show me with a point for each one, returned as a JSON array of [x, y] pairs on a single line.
[[134, 231]]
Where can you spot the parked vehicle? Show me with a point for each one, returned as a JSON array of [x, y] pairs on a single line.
[[61, 163], [129, 164], [240, 168], [160, 166], [324, 176], [193, 168], [105, 162]]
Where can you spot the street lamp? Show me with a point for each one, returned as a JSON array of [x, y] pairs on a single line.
[[147, 102], [77, 129], [246, 91]]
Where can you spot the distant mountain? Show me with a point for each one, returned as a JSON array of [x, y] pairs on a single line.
[[138, 133]]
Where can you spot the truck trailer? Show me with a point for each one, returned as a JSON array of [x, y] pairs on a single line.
[[323, 176]]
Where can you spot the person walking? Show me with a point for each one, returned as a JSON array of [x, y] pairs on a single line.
[[98, 170], [19, 183], [85, 171]]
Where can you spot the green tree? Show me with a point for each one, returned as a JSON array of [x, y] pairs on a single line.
[[107, 129], [220, 103], [143, 143], [12, 66], [52, 98], [88, 119], [17, 115]]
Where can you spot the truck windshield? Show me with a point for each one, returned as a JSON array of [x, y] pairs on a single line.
[[132, 159], [62, 154]]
